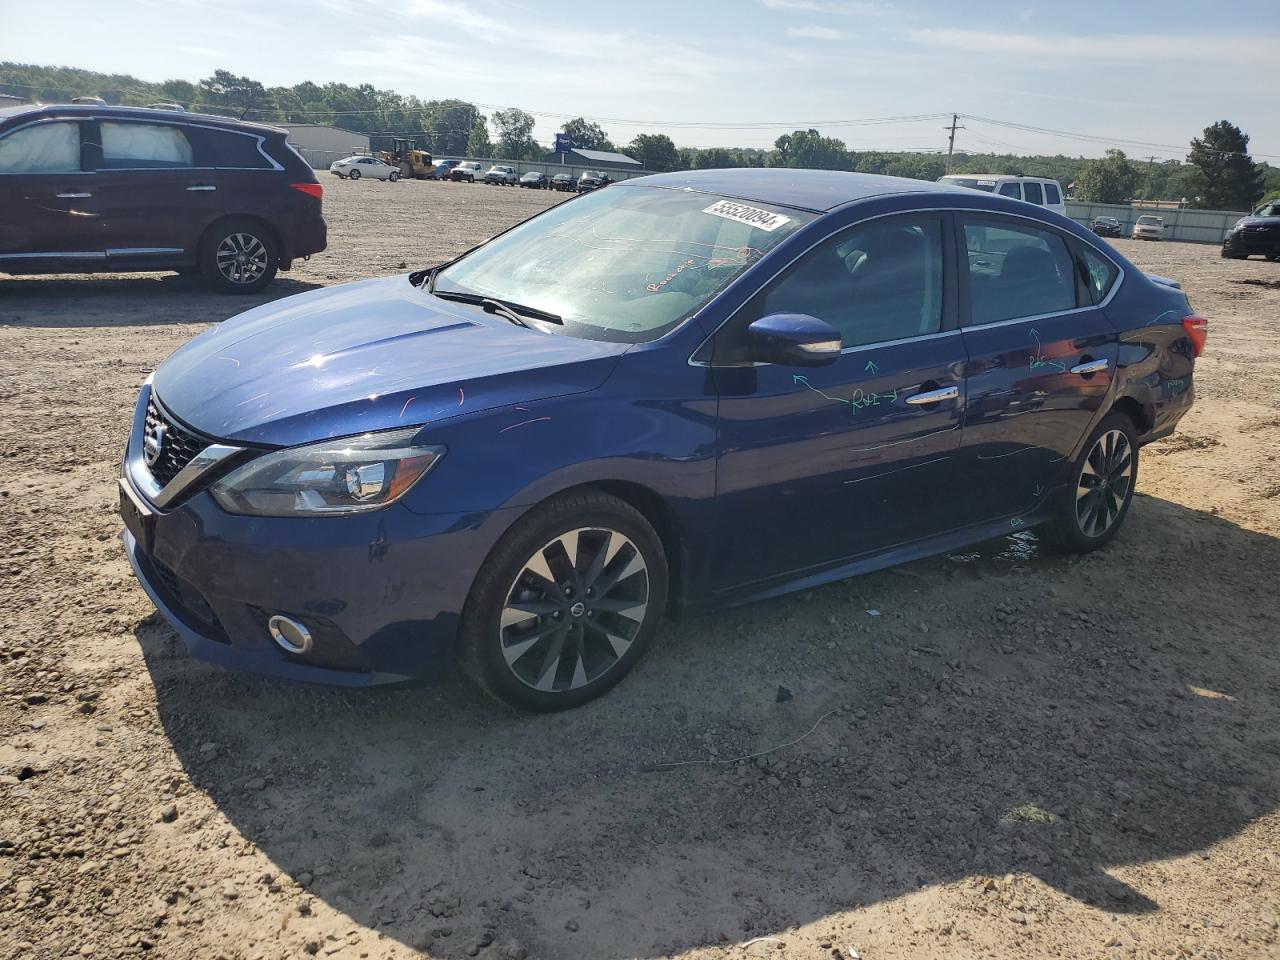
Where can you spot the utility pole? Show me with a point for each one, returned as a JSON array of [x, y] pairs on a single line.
[[1151, 169], [951, 141]]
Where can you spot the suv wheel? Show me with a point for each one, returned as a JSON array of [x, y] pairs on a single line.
[[239, 256], [566, 604]]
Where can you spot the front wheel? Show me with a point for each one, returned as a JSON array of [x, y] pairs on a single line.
[[354, 174], [393, 176], [566, 604], [1096, 500]]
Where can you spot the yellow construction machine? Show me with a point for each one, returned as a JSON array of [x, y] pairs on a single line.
[[413, 163]]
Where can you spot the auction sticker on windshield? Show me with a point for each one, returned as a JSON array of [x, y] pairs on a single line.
[[765, 220]]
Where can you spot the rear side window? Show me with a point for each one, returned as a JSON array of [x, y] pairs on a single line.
[[1017, 271], [1032, 193], [230, 150], [1051, 194], [42, 148], [1102, 274], [1011, 190], [134, 145]]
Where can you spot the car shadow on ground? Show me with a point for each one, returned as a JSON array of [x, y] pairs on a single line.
[[1001, 711], [133, 300]]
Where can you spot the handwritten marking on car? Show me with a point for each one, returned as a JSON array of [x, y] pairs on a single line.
[[523, 423], [861, 399], [1039, 360], [899, 470], [406, 406]]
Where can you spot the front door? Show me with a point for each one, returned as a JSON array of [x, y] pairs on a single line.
[[48, 203], [822, 464], [1041, 360]]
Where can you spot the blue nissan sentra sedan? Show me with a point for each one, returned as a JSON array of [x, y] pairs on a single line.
[[682, 392]]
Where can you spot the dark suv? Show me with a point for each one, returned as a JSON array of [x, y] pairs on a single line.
[[118, 189], [1257, 233]]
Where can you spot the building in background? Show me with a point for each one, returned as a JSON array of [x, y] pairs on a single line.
[[597, 159], [321, 145]]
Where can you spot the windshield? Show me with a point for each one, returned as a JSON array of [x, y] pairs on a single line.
[[974, 183], [624, 264], [1148, 219]]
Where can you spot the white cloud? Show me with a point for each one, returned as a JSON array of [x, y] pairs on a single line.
[[843, 8], [815, 33], [1153, 47], [207, 52]]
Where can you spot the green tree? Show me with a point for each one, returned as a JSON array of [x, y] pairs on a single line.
[[587, 136], [238, 95], [478, 143], [1229, 179], [183, 92], [449, 125], [713, 158], [515, 133], [1112, 179], [810, 150], [656, 151]]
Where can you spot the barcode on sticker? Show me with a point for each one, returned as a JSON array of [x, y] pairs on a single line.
[[765, 220]]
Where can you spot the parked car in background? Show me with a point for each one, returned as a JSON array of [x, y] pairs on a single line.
[[535, 180], [1107, 227], [162, 190], [441, 172], [1038, 190], [564, 181], [532, 467], [1148, 227], [1257, 233], [502, 175], [467, 170], [593, 180], [358, 167]]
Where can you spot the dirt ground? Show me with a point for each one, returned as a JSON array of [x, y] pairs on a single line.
[[1020, 756]]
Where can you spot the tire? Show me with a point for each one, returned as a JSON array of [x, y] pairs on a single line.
[[1088, 520], [354, 175], [393, 176], [471, 179], [556, 651], [239, 255]]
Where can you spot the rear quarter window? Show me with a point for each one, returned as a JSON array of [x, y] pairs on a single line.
[[228, 149], [1100, 272], [1051, 194]]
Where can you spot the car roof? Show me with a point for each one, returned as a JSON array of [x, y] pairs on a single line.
[[997, 176], [815, 190], [36, 110]]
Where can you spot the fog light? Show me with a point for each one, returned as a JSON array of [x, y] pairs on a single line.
[[289, 635]]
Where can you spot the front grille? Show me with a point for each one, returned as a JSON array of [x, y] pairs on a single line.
[[178, 448]]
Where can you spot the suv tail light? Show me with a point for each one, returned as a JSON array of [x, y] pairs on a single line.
[[310, 189], [1197, 332]]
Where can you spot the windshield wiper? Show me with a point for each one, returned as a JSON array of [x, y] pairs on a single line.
[[510, 311]]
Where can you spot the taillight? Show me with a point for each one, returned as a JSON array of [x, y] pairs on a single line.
[[310, 189], [1197, 331]]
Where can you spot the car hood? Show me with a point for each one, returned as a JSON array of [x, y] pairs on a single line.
[[363, 356], [1256, 222]]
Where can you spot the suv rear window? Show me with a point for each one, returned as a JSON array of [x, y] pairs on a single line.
[[1032, 193], [1051, 194], [231, 150]]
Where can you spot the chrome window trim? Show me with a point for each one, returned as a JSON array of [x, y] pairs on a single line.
[[260, 140]]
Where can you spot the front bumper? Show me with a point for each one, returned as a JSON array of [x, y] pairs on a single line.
[[382, 593], [1246, 242]]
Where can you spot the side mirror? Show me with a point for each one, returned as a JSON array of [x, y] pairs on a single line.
[[794, 340]]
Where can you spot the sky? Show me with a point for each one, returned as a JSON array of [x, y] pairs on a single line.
[[730, 72]]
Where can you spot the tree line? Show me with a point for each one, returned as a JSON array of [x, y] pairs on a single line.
[[1217, 174]]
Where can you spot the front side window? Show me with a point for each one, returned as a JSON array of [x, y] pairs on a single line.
[[41, 148], [133, 145], [1017, 271], [1032, 193], [1011, 189], [624, 265], [875, 282]]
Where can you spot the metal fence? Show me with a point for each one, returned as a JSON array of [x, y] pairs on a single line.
[[1193, 226]]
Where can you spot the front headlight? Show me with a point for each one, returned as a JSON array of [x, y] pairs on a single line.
[[348, 475]]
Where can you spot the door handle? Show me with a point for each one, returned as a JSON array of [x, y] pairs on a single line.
[[934, 396], [202, 186], [74, 196], [1090, 366]]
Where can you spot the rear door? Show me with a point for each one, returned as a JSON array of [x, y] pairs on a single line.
[[49, 211], [1041, 360], [824, 464], [153, 195]]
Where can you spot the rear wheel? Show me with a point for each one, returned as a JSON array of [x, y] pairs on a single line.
[[566, 604], [239, 256], [1096, 500]]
